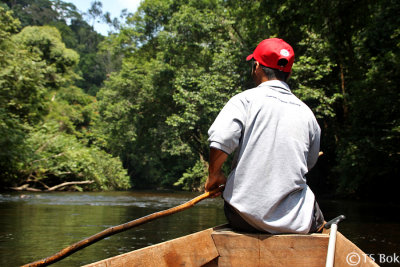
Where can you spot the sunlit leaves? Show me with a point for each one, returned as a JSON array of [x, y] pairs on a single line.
[[45, 129], [313, 74]]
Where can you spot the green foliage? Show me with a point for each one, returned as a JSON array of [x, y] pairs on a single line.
[[198, 45], [60, 157], [45, 127], [92, 64], [33, 12], [76, 33], [171, 68], [157, 109], [369, 154], [22, 94], [133, 115], [73, 110], [12, 141], [45, 43], [313, 75], [194, 177], [9, 25], [21, 75], [197, 49]]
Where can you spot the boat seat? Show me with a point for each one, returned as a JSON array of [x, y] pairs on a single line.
[[259, 249]]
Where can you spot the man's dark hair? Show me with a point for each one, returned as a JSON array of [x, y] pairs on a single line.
[[274, 74]]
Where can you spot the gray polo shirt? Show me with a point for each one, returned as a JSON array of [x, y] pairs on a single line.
[[276, 138]]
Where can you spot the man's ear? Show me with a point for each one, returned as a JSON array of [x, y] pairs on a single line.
[[256, 65]]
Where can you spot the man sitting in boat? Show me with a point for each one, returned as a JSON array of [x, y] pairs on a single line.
[[276, 138]]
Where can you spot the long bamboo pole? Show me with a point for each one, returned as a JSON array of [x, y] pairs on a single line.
[[119, 228]]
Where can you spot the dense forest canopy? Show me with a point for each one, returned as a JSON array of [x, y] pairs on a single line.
[[79, 106]]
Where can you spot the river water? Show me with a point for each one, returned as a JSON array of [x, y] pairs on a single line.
[[37, 225]]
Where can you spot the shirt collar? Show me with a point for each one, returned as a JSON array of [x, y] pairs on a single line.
[[276, 83]]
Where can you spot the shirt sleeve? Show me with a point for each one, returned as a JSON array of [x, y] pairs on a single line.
[[225, 132], [313, 153]]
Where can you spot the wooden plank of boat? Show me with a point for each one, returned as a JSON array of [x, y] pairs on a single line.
[[192, 250], [222, 247], [345, 249], [238, 249]]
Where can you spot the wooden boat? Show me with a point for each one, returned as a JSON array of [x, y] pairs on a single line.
[[220, 246]]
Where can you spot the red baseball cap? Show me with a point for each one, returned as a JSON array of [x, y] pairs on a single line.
[[274, 53]]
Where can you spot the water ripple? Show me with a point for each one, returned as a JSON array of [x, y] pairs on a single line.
[[133, 199]]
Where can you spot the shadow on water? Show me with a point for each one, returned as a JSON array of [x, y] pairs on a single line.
[[36, 225], [374, 227]]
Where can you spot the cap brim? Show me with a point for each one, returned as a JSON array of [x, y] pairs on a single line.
[[249, 57]]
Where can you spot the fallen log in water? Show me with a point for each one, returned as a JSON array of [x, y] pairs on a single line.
[[26, 187]]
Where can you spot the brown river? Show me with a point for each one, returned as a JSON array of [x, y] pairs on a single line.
[[37, 225]]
